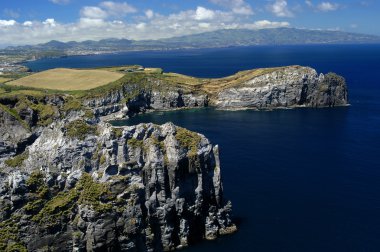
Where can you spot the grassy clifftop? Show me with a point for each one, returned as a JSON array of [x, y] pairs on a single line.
[[84, 83], [54, 93], [68, 79]]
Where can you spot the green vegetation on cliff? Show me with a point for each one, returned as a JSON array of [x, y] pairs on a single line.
[[17, 160], [64, 204], [57, 209], [189, 140], [79, 129], [9, 236], [135, 143], [72, 104], [94, 194], [333, 78]]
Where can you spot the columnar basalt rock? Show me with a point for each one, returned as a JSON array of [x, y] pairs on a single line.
[[139, 188]]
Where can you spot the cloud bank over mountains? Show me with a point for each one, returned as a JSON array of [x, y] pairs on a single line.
[[124, 20]]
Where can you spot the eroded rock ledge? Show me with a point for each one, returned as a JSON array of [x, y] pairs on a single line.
[[81, 187]]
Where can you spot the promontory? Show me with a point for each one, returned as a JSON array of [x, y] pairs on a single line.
[[70, 181]]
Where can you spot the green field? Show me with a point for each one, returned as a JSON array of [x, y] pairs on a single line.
[[68, 79]]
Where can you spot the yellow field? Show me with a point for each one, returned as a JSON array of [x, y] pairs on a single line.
[[68, 79], [4, 79], [215, 85]]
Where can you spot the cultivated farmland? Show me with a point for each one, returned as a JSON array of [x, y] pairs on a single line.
[[68, 79]]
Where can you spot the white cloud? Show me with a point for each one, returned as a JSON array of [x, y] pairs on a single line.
[[236, 6], [327, 6], [204, 14], [60, 1], [93, 24], [280, 9], [141, 26], [117, 9], [93, 12], [149, 14], [5, 23], [27, 23], [265, 24], [323, 6], [118, 22], [243, 10], [96, 16], [49, 22], [174, 26], [204, 25]]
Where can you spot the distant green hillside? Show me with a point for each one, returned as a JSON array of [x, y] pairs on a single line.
[[215, 39], [280, 36]]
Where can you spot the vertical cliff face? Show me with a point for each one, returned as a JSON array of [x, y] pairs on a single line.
[[144, 100], [285, 87], [282, 87], [69, 182], [14, 134], [97, 188]]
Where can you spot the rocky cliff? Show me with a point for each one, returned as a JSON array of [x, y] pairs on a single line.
[[117, 106], [138, 92], [82, 187], [13, 134], [282, 87], [70, 182], [287, 87]]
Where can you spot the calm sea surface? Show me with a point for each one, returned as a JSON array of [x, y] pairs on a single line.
[[299, 180]]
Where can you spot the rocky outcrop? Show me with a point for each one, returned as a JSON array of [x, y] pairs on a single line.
[[69, 182], [283, 87], [13, 134], [139, 188], [145, 100], [286, 87]]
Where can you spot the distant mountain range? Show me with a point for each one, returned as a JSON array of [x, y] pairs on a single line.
[[215, 39]]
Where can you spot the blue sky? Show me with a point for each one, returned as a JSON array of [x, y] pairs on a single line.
[[30, 22]]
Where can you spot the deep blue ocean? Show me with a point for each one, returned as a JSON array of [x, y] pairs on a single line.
[[299, 180]]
